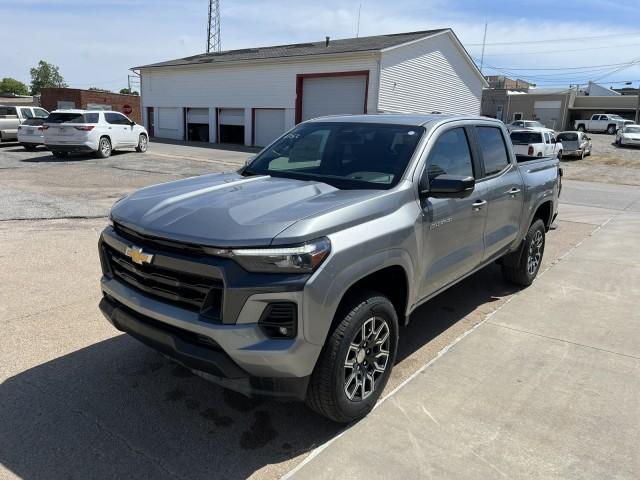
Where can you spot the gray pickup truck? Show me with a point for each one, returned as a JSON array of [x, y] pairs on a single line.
[[292, 276]]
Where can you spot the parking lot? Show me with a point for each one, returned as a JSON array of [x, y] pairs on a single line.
[[80, 400]]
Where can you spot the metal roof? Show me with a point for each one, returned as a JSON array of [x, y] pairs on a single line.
[[345, 45]]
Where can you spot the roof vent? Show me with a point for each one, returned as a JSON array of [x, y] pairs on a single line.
[[326, 41]]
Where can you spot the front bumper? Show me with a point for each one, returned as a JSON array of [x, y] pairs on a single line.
[[199, 353]]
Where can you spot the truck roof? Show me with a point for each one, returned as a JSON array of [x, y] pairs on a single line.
[[401, 118]]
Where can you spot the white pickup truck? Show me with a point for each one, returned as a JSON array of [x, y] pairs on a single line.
[[536, 143], [600, 122], [12, 117]]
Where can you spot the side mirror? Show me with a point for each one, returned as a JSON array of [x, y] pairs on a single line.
[[132, 123], [447, 186], [553, 140]]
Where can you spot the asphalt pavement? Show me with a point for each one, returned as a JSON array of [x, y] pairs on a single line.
[[80, 400]]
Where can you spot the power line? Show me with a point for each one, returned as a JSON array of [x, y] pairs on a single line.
[[537, 52], [553, 40], [586, 67]]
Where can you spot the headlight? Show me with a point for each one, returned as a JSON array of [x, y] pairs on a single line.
[[305, 258]]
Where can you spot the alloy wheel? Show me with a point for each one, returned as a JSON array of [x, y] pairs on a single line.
[[143, 143], [535, 253], [367, 359], [105, 147]]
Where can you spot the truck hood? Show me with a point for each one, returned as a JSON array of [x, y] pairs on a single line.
[[228, 210]]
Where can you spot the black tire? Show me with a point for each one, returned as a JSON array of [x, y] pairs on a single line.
[[559, 154], [58, 154], [143, 143], [104, 148], [524, 271], [581, 128], [29, 148], [611, 129], [582, 154], [332, 377]]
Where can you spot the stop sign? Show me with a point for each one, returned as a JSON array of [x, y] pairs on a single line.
[[126, 109]]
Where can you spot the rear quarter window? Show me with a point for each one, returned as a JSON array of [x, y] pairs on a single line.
[[493, 150]]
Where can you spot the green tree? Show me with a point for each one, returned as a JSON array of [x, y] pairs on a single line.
[[45, 75], [11, 85], [126, 91], [96, 89]]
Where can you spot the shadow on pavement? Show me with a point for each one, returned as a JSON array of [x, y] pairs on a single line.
[[117, 409], [73, 157]]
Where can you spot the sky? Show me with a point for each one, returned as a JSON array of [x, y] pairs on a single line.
[[96, 42]]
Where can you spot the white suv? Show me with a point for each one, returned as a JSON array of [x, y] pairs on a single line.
[[67, 131]]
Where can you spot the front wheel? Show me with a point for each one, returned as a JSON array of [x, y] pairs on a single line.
[[559, 154], [356, 361], [142, 144], [525, 270], [104, 148]]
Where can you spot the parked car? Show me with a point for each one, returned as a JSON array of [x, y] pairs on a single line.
[[100, 132], [12, 117], [575, 144], [600, 122], [291, 276], [521, 124], [629, 135], [536, 143], [31, 133]]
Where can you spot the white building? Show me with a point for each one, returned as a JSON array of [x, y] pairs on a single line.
[[251, 96]]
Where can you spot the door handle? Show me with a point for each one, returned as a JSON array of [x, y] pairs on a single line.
[[478, 204], [513, 192]]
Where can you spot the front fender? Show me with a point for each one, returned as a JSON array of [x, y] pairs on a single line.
[[324, 293]]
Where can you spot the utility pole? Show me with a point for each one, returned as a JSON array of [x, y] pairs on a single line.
[[638, 106], [484, 42], [213, 27]]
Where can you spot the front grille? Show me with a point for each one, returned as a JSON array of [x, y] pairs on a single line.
[[194, 292], [149, 241]]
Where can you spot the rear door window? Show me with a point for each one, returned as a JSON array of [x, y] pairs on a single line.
[[450, 155], [26, 113], [493, 149], [8, 111]]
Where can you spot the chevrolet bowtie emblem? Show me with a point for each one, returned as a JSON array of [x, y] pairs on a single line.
[[138, 256]]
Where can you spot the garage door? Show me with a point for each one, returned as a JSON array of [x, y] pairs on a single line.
[[197, 115], [231, 125], [269, 125], [548, 113], [333, 96]]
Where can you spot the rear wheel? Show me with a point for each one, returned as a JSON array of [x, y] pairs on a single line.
[[581, 128], [559, 154], [582, 154], [611, 129], [357, 359], [525, 270], [104, 148], [58, 154], [29, 148], [142, 143]]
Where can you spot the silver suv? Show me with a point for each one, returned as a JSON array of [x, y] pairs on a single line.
[[294, 275]]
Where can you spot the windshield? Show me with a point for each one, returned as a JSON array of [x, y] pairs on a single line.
[[525, 138], [345, 155], [568, 137], [632, 130], [72, 118]]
